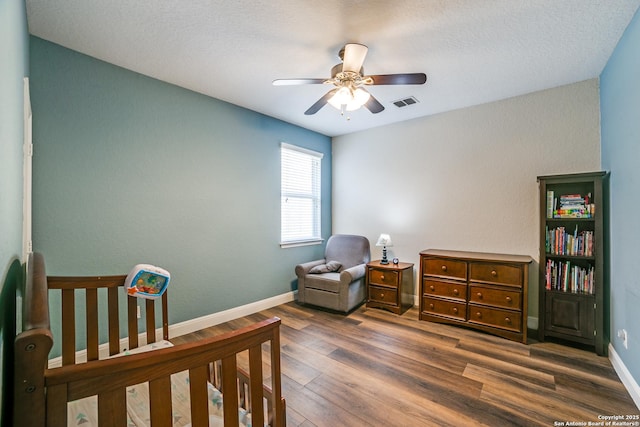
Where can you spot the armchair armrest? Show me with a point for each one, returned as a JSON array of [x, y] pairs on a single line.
[[303, 269], [354, 273]]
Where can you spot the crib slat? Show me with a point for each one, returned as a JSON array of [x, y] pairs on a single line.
[[160, 402], [255, 371], [114, 322], [151, 321], [68, 327], [230, 390], [132, 321], [91, 296], [198, 395], [279, 417], [165, 317], [112, 408]]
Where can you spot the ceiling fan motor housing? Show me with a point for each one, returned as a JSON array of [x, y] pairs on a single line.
[[338, 69]]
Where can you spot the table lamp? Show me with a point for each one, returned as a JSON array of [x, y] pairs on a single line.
[[384, 240]]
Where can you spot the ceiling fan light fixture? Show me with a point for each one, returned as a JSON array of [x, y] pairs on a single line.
[[347, 99]]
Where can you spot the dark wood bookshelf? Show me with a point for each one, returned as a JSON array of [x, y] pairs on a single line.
[[575, 317]]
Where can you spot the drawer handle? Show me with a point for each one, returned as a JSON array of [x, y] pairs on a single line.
[[431, 306], [479, 294], [382, 277], [455, 310], [508, 299], [494, 273], [456, 292], [382, 295], [444, 268], [479, 315], [508, 320], [433, 288]]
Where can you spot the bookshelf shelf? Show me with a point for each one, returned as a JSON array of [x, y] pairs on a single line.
[[574, 220], [570, 257], [573, 288]]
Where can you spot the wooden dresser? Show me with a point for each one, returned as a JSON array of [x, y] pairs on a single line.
[[480, 290]]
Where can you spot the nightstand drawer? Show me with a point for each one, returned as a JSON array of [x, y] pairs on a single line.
[[504, 319], [496, 297], [495, 273], [384, 295], [445, 267], [446, 308], [383, 277], [454, 290]]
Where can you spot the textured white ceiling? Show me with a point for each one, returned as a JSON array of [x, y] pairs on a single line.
[[473, 51]]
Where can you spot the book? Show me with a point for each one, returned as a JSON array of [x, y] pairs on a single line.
[[573, 206], [564, 277], [550, 204], [560, 242]]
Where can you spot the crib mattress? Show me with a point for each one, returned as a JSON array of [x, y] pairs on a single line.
[[84, 412]]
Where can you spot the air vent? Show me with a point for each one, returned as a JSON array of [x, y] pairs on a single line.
[[401, 103]]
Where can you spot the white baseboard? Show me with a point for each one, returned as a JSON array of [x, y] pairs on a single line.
[[192, 325], [203, 322], [625, 376]]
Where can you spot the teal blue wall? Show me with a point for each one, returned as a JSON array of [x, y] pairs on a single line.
[[620, 121], [14, 47], [128, 169]]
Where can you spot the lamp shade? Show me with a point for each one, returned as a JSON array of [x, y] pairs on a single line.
[[384, 240]]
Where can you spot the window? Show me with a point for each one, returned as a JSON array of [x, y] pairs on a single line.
[[299, 196]]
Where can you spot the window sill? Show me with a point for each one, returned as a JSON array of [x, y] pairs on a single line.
[[301, 243]]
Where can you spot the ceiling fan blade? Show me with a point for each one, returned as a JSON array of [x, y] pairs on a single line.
[[354, 55], [285, 82], [373, 105], [320, 103], [399, 79]]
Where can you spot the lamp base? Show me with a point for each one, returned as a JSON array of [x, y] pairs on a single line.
[[384, 259]]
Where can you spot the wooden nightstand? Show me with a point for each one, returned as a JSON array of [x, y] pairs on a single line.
[[390, 286]]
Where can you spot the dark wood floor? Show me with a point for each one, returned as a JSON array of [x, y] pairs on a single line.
[[376, 368]]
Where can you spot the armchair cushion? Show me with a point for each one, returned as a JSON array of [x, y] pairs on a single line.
[[329, 267]]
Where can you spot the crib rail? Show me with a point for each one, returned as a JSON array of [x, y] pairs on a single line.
[[109, 378]]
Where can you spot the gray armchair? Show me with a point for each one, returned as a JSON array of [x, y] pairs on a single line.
[[331, 286]]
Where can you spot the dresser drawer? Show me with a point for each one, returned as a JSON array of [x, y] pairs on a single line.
[[505, 298], [454, 290], [383, 277], [504, 319], [504, 274], [456, 310], [445, 267], [384, 295]]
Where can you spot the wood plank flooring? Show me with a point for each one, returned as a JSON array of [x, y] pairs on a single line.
[[375, 368]]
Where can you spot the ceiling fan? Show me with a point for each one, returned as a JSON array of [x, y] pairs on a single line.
[[348, 78]]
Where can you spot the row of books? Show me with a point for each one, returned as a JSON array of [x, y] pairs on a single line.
[[569, 206], [559, 242], [562, 276]]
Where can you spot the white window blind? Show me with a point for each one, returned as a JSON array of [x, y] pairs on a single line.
[[300, 195]]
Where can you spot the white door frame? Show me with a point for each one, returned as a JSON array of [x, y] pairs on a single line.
[[27, 245]]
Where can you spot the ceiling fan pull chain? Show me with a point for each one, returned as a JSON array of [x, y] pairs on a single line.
[[342, 111]]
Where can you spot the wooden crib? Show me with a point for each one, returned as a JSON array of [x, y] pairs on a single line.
[[42, 394]]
